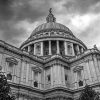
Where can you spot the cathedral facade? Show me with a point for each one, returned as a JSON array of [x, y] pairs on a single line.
[[52, 64]]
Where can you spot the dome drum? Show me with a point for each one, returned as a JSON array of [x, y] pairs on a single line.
[[52, 47]]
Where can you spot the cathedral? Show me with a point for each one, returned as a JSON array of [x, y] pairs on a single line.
[[52, 64]]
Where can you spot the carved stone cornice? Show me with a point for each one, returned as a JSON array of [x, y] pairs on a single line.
[[9, 48], [57, 56], [57, 62]]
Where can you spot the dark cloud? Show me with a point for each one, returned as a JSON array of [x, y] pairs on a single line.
[[6, 12], [14, 11], [82, 6], [11, 33], [22, 9]]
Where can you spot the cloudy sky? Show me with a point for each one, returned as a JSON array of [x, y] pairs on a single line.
[[19, 17]]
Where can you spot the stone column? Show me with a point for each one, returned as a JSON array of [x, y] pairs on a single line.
[[65, 45], [78, 49], [29, 48], [50, 47], [42, 48], [72, 49], [35, 49], [82, 49], [58, 50]]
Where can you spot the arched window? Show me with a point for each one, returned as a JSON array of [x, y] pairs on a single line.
[[46, 47], [79, 75], [48, 78], [80, 83], [66, 77], [35, 84], [9, 76]]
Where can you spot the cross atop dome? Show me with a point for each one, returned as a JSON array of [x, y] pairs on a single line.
[[50, 17]]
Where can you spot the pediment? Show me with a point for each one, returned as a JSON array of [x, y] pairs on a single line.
[[12, 60]]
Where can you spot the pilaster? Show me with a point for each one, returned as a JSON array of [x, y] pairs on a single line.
[[32, 78], [22, 72], [27, 73], [44, 79], [63, 75], [52, 76], [39, 80], [92, 70], [76, 80]]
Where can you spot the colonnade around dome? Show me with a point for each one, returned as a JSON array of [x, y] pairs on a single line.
[[52, 47]]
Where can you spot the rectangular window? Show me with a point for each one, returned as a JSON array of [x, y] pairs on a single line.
[[65, 77], [48, 78], [36, 76], [79, 75], [46, 47]]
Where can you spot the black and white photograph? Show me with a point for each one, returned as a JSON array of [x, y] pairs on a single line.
[[49, 49]]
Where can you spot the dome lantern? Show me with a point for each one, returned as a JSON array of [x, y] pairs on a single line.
[[50, 17]]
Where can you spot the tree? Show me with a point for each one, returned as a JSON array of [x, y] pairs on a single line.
[[5, 90], [89, 94]]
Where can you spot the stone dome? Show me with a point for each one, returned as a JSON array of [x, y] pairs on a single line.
[[52, 38], [51, 26]]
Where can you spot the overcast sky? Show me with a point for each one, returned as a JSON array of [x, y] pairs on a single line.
[[19, 17]]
